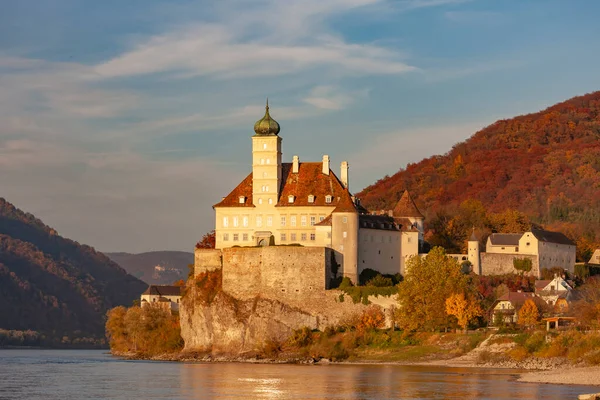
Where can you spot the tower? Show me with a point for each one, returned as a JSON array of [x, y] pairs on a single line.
[[473, 253], [266, 161]]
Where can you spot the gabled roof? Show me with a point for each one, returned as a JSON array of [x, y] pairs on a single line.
[[406, 207], [163, 290], [310, 180], [551, 237], [541, 284], [505, 239], [233, 198], [516, 298]]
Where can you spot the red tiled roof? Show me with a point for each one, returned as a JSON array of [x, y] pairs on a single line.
[[406, 207], [517, 298], [233, 198], [310, 180], [384, 222]]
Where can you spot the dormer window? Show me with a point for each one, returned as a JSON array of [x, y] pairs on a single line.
[[328, 199], [291, 198], [311, 198], [242, 199]]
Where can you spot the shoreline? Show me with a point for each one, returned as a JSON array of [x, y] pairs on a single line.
[[531, 371]]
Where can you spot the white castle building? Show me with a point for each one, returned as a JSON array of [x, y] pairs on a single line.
[[307, 204]]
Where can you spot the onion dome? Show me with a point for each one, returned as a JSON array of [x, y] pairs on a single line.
[[266, 126]]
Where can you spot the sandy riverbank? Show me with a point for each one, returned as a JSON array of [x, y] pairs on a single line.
[[567, 376]]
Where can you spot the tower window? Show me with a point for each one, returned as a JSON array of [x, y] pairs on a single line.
[[291, 198], [225, 222], [311, 198], [328, 199]]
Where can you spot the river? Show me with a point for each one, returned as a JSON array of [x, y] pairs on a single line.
[[94, 374]]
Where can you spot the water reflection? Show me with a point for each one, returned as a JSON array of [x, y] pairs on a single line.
[[59, 374]]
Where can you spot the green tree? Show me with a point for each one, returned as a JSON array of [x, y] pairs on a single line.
[[428, 282]]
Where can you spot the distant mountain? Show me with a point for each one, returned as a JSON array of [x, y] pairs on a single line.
[[56, 286], [545, 165], [155, 267]]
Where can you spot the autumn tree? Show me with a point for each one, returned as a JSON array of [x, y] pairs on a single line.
[[208, 241], [428, 282], [463, 308], [528, 314]]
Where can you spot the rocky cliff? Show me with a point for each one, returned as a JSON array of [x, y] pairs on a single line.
[[216, 322]]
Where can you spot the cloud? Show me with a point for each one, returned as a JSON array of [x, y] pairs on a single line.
[[332, 98]]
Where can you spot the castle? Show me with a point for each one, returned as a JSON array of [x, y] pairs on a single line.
[[305, 203]]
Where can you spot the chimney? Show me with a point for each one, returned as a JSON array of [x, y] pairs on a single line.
[[344, 174], [326, 164], [295, 163]]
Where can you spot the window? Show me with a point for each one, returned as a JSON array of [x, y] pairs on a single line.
[[345, 234], [270, 201], [312, 236], [291, 198], [245, 237], [283, 220], [328, 235], [267, 188], [262, 160], [409, 239], [311, 198], [226, 237], [283, 238], [345, 220], [225, 222], [242, 200], [245, 221], [321, 218], [303, 236], [527, 244], [303, 220], [328, 199], [293, 220], [259, 201], [313, 221], [292, 237], [268, 161], [236, 237], [264, 146], [235, 221], [259, 221], [269, 221]]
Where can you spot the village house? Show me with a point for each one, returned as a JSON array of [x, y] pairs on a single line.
[[555, 292], [507, 307], [164, 296]]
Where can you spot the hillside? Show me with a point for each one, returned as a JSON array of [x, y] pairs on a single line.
[[541, 168], [56, 286], [155, 267]]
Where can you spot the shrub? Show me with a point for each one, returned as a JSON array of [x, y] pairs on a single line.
[[371, 318], [346, 283], [380, 281], [522, 264], [271, 348], [301, 337]]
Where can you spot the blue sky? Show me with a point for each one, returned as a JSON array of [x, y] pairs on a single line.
[[122, 122]]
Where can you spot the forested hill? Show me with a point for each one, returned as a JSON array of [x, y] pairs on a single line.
[[544, 165], [56, 286]]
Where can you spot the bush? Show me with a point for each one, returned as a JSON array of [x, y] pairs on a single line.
[[371, 318], [380, 281], [301, 337], [271, 348], [522, 264]]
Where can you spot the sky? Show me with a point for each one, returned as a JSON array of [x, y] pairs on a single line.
[[123, 122]]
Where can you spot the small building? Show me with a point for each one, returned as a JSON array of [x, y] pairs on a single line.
[[164, 296], [595, 258], [507, 306]]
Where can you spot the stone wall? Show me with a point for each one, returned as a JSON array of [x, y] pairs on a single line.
[[206, 260], [498, 264], [277, 272]]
